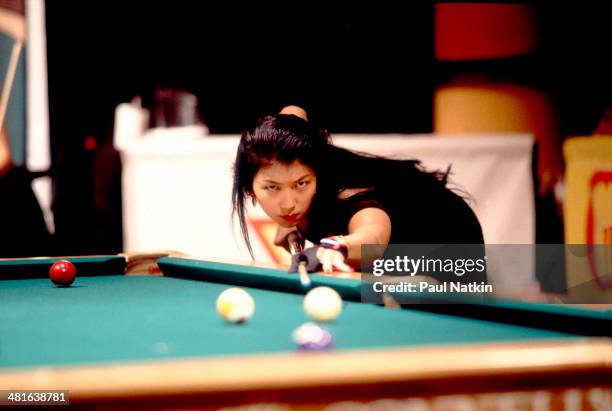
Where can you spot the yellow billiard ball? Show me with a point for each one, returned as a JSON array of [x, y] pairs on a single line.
[[235, 305]]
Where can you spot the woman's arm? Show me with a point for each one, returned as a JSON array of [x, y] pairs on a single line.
[[367, 226]]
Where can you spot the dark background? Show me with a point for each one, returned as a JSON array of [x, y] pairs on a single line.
[[359, 68]]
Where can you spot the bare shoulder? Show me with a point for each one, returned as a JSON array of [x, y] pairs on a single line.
[[370, 215], [349, 192]]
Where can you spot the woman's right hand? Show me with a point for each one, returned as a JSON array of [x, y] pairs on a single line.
[[284, 235]]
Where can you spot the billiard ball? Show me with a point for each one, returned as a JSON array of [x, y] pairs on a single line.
[[323, 304], [62, 273], [235, 305], [312, 337]]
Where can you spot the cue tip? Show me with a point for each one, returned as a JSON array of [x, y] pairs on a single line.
[[304, 278]]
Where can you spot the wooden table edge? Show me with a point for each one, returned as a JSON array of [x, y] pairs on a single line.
[[289, 370]]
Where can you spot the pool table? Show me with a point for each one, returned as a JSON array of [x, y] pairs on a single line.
[[118, 340]]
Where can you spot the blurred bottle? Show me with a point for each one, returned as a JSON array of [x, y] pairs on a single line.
[[175, 108], [131, 121]]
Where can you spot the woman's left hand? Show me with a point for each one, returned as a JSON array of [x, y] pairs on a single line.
[[332, 260], [318, 258]]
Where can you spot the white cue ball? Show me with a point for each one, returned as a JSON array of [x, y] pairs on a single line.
[[235, 305], [323, 304]]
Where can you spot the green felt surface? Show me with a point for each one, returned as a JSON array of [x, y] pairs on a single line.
[[123, 319], [539, 315]]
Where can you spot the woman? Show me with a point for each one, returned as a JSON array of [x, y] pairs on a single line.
[[341, 199]]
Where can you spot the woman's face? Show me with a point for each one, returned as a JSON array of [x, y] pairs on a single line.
[[285, 191]]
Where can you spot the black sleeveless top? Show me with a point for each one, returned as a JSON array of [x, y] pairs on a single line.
[[438, 216], [441, 217]]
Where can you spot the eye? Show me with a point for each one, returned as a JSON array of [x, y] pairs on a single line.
[[303, 183], [271, 187]]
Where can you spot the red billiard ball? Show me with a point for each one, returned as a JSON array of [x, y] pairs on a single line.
[[62, 273]]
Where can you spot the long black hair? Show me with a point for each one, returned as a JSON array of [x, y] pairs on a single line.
[[286, 138]]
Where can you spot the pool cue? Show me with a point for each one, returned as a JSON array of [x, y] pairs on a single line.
[[296, 246], [10, 79]]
